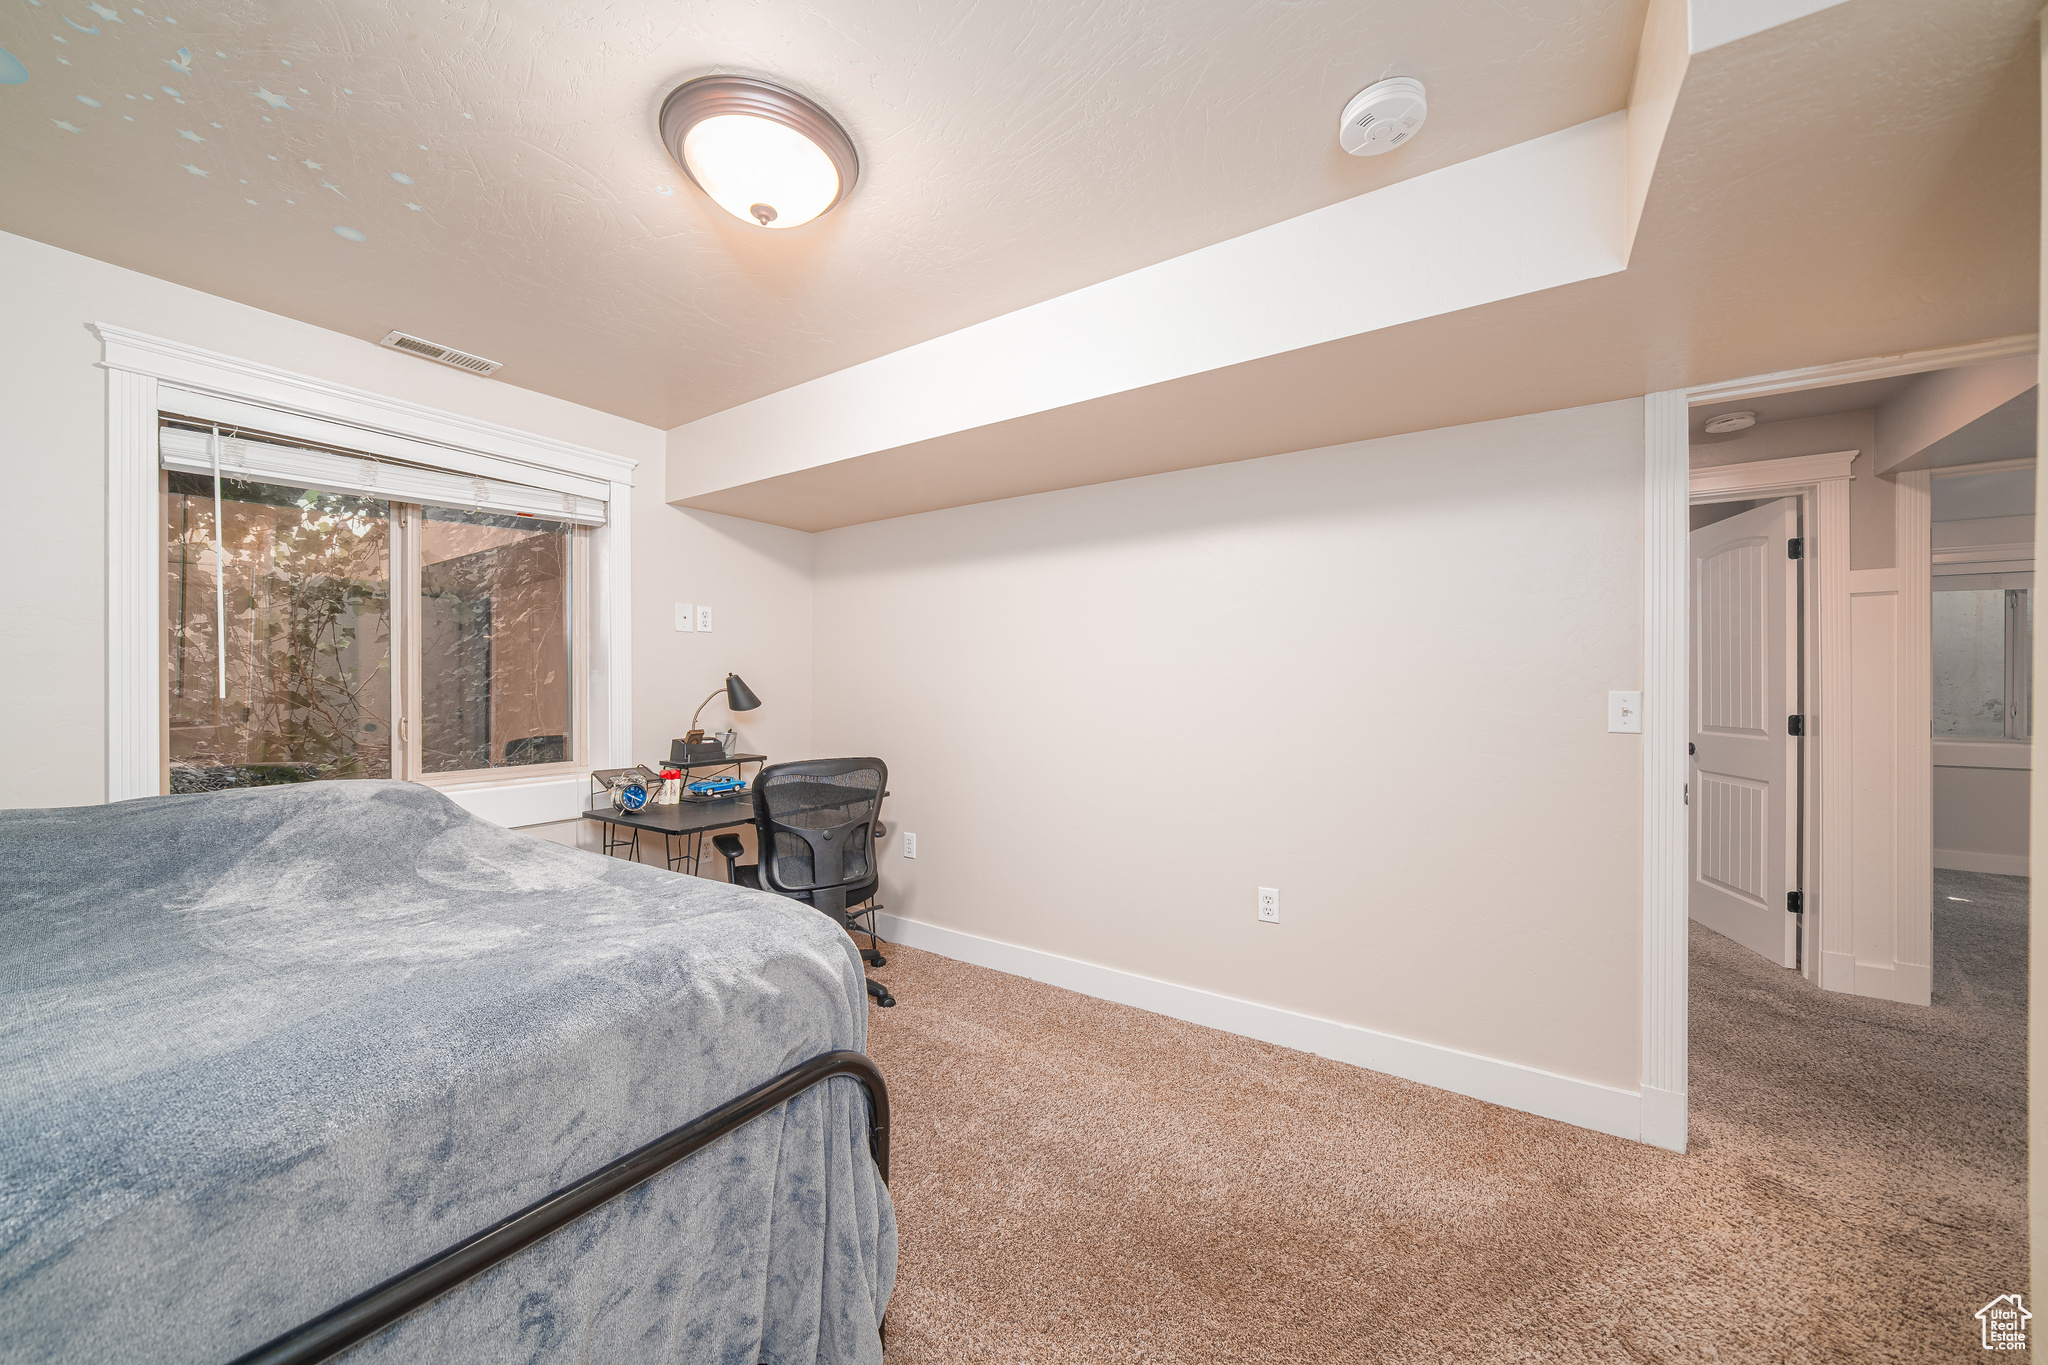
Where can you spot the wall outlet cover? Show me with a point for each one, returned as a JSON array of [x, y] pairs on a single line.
[[909, 844], [686, 616], [1624, 713], [1269, 904], [703, 618]]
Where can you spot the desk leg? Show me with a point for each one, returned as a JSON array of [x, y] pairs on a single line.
[[612, 842], [685, 859]]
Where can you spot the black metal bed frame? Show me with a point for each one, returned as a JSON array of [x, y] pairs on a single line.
[[371, 1312]]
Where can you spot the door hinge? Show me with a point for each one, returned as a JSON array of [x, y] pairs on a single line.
[[1795, 901], [1795, 725], [1795, 548]]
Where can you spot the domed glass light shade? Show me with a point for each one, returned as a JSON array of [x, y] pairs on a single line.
[[764, 154]]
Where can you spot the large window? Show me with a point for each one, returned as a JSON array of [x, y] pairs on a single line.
[[1983, 649], [315, 633]]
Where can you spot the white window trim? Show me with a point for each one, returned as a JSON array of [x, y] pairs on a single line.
[[138, 366]]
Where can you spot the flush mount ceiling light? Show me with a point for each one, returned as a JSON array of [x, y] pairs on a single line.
[[762, 153], [1383, 116], [1730, 421]]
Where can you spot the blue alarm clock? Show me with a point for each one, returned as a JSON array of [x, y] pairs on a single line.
[[630, 795]]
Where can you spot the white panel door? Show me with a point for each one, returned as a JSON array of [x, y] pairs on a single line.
[[1744, 792]]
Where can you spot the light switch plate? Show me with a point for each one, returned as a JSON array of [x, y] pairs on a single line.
[[703, 618], [1624, 713], [686, 616]]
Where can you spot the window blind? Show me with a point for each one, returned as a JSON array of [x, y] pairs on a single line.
[[189, 451]]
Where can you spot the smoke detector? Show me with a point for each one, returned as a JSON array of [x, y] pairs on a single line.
[[447, 355], [1383, 116], [1730, 421]]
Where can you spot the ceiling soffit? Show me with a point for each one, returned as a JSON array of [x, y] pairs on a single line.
[[1863, 181]]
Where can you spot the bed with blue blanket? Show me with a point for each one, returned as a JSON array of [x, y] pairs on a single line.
[[264, 1051]]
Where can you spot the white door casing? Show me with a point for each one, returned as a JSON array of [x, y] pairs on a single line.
[[1743, 685], [1822, 483]]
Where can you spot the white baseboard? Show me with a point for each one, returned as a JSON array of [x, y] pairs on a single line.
[[1963, 860], [1664, 1118], [1838, 972], [1905, 982], [1620, 1113]]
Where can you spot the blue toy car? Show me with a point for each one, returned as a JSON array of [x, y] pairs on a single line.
[[717, 786]]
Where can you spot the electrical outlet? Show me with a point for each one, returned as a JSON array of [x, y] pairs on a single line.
[[1624, 713], [686, 617], [703, 618], [1269, 904], [909, 844]]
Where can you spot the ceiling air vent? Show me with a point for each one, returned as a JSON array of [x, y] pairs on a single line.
[[447, 355]]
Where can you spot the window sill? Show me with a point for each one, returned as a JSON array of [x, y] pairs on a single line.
[[1983, 753], [514, 801], [522, 775]]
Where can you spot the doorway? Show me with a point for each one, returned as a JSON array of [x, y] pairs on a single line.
[[1982, 655], [1745, 793]]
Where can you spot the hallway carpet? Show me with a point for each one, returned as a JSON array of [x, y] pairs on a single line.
[[1084, 1183]]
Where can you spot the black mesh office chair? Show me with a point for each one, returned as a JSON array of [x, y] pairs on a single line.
[[815, 827]]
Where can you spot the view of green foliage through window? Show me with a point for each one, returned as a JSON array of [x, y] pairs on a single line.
[[304, 686], [307, 590]]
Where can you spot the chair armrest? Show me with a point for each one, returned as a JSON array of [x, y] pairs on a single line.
[[729, 848]]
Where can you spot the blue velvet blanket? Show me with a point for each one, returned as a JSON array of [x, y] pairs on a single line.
[[261, 1050]]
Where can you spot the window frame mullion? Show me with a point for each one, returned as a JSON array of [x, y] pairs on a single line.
[[2019, 658], [405, 639]]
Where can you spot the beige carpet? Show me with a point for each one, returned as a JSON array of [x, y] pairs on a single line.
[[1082, 1182]]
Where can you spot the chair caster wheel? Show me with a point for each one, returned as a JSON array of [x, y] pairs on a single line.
[[886, 1001], [876, 959]]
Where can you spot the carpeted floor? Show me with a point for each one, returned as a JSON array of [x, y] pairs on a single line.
[[1082, 1182]]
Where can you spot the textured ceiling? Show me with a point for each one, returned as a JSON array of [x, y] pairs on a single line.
[[1864, 181], [1801, 403], [488, 176]]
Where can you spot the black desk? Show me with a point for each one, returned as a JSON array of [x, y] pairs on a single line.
[[688, 820]]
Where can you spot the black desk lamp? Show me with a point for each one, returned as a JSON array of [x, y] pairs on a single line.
[[738, 697]]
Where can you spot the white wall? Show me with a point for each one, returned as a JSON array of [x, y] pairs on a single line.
[[52, 481], [757, 581], [1374, 676], [1870, 497], [1980, 819]]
